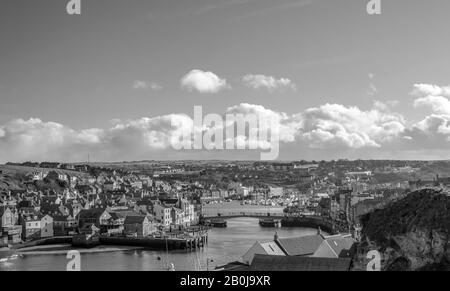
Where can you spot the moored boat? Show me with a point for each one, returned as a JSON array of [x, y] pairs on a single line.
[[219, 223], [270, 222]]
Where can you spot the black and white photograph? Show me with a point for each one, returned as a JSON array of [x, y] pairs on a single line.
[[213, 137]]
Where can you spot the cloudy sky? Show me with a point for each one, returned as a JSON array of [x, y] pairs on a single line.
[[121, 80]]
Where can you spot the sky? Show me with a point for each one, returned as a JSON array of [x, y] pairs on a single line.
[[120, 81]]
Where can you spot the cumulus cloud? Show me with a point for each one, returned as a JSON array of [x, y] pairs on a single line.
[[438, 124], [329, 126], [35, 139], [438, 104], [435, 128], [283, 124], [138, 84], [430, 90], [326, 131], [203, 82], [334, 125], [268, 82], [385, 105]]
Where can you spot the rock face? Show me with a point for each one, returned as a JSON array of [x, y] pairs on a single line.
[[410, 234]]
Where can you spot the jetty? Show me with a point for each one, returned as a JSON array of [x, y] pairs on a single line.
[[190, 238], [158, 243]]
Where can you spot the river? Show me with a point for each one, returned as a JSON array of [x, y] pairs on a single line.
[[225, 245]]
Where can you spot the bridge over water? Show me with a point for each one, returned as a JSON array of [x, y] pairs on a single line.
[[228, 215], [323, 223]]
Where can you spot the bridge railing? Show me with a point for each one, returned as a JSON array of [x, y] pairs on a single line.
[[243, 214]]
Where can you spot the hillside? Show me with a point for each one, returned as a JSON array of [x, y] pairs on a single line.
[[412, 233], [13, 178]]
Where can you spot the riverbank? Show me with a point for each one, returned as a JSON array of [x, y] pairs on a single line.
[[62, 249], [224, 245]]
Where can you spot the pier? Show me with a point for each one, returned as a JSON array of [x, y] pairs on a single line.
[[189, 239], [158, 243]]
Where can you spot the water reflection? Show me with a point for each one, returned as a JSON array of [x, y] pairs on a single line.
[[224, 245]]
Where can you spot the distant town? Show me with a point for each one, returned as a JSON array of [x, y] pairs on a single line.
[[172, 204]]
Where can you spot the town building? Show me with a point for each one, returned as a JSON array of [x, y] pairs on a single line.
[[139, 226]]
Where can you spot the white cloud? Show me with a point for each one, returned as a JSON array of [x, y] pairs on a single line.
[[328, 127], [203, 82], [434, 130], [268, 82], [435, 124], [138, 84], [386, 105], [430, 90], [438, 104], [334, 125], [328, 131], [283, 126], [35, 139]]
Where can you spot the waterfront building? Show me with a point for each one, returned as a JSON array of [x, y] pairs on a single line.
[[30, 227], [114, 225], [163, 214], [96, 216], [64, 225], [188, 210], [139, 226]]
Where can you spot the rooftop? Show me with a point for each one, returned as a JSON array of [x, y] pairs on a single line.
[[287, 263], [300, 246]]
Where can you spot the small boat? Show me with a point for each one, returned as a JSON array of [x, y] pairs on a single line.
[[219, 223], [85, 241], [270, 222]]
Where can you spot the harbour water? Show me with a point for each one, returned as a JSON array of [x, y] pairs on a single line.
[[224, 245]]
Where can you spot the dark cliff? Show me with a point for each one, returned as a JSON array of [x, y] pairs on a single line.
[[410, 234]]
